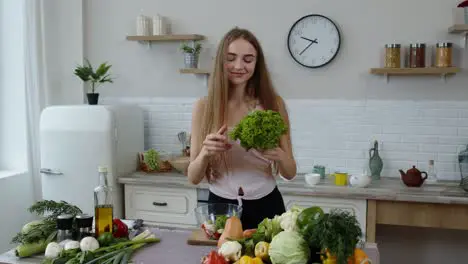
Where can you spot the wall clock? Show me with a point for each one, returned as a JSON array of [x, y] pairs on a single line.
[[314, 41]]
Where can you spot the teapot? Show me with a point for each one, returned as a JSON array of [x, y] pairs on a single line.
[[413, 177]]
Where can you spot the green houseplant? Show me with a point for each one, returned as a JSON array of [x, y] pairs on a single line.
[[96, 77], [191, 54]]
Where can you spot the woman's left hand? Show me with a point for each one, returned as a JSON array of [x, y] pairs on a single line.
[[276, 154]]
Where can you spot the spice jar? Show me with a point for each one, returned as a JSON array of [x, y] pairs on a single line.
[[64, 227], [417, 55], [84, 224], [444, 54], [392, 55]]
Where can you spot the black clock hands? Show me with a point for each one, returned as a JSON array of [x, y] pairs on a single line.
[[305, 48], [311, 40], [310, 44]]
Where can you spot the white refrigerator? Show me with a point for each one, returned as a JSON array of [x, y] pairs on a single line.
[[75, 140]]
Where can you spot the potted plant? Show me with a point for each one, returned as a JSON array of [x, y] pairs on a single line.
[[191, 54], [87, 74]]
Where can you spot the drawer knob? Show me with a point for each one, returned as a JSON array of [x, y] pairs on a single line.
[[159, 204]]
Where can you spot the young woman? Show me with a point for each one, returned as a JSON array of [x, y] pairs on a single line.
[[240, 83]]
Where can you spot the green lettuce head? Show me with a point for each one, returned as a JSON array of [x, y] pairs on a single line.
[[261, 129], [289, 247]]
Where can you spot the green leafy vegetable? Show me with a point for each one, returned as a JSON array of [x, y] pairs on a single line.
[[151, 158], [337, 231], [44, 229], [261, 129], [220, 221], [288, 247], [267, 229], [117, 253]]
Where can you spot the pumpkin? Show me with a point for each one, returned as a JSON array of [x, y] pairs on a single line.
[[232, 230]]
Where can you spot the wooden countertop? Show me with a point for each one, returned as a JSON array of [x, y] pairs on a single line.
[[387, 189]]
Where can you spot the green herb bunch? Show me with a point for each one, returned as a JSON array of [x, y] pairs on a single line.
[[338, 232], [261, 129], [46, 228], [185, 48]]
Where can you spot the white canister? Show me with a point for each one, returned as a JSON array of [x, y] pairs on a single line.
[[159, 25], [143, 26]]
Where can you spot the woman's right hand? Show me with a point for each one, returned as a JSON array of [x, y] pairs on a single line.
[[216, 142]]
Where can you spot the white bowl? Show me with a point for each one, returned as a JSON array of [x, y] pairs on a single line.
[[312, 178]]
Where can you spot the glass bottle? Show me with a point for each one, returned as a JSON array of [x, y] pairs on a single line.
[[103, 204], [375, 161], [64, 227], [431, 172]]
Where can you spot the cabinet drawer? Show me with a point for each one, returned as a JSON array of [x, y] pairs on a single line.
[[356, 207], [163, 206]]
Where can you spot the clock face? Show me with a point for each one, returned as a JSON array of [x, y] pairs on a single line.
[[314, 41]]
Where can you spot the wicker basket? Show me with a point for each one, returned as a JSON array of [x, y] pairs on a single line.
[[164, 165]]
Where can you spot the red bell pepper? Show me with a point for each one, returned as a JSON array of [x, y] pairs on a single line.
[[120, 228], [214, 258]]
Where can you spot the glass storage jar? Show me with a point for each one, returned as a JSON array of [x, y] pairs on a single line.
[[392, 55], [417, 55], [444, 54]]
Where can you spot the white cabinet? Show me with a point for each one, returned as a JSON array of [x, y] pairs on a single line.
[[169, 207], [356, 207]]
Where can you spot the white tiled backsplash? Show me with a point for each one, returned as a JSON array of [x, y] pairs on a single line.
[[339, 133]]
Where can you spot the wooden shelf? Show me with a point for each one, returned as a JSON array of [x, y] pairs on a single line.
[[459, 28], [186, 37], [415, 71], [442, 72], [194, 71]]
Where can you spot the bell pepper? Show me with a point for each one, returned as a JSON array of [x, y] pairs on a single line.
[[327, 258], [359, 257], [214, 258], [250, 260], [120, 229], [308, 216], [261, 250]]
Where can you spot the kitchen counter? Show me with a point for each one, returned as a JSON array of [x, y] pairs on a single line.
[[386, 189], [385, 202], [173, 248]]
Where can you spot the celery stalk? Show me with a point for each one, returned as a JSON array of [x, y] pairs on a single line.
[[27, 250]]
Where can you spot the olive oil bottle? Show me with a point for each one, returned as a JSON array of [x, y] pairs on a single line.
[[103, 204]]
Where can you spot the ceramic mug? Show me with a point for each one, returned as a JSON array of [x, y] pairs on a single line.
[[341, 178], [320, 170]]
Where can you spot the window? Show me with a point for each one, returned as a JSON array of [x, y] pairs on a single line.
[[13, 146]]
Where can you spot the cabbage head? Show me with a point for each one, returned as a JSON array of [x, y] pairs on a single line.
[[260, 129], [289, 247]]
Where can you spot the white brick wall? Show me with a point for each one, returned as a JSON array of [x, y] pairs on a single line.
[[339, 133]]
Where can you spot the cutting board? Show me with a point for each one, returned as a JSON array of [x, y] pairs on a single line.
[[198, 238]]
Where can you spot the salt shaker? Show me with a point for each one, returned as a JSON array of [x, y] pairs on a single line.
[[64, 227]]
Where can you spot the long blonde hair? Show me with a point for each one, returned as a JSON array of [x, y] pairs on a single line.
[[259, 87]]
